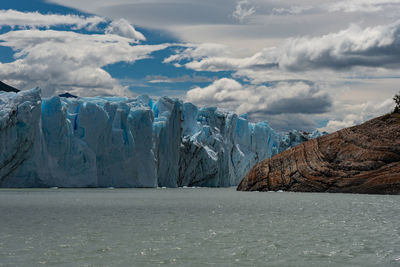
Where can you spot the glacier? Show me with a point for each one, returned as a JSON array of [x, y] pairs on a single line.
[[122, 142]]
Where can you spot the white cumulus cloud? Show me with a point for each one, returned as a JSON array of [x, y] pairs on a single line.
[[60, 61], [123, 28]]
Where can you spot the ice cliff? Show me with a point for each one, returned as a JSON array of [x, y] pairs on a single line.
[[121, 142]]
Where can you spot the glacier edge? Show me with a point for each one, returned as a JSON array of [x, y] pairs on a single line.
[[121, 142]]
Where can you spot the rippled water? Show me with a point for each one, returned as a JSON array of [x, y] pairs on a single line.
[[196, 227]]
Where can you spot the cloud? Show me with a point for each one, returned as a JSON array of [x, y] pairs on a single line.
[[197, 51], [180, 79], [325, 54], [349, 6], [377, 46], [206, 21], [305, 104], [60, 61], [33, 20], [260, 101], [350, 115], [212, 57], [286, 105], [334, 60], [213, 21], [16, 18], [258, 60], [362, 5], [293, 10], [243, 10], [123, 28], [287, 122], [222, 90]]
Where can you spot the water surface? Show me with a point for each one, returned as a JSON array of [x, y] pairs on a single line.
[[196, 227]]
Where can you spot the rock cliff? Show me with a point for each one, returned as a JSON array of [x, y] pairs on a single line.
[[360, 159]]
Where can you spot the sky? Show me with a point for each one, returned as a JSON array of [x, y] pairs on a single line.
[[297, 64]]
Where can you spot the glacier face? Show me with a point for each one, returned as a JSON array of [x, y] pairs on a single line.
[[121, 142]]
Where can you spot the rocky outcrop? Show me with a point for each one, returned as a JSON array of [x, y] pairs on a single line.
[[360, 159]]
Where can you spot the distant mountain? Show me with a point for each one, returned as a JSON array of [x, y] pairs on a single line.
[[68, 95], [6, 88], [359, 159]]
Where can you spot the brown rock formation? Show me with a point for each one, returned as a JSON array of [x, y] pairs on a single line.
[[359, 159]]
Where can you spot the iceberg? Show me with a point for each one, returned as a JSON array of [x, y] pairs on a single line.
[[119, 142]]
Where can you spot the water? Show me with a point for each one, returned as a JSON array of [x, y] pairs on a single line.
[[196, 227]]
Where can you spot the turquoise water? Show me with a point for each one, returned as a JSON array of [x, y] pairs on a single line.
[[196, 227]]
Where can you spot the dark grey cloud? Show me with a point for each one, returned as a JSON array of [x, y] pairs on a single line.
[[304, 104], [287, 122]]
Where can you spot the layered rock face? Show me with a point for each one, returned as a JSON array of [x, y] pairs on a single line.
[[360, 159], [121, 142]]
